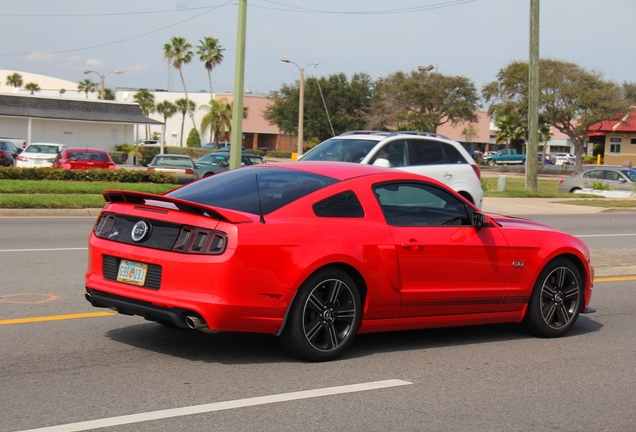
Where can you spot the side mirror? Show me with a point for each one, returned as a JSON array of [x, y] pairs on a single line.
[[480, 220]]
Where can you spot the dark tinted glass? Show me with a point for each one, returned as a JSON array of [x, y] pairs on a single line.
[[237, 189], [345, 204]]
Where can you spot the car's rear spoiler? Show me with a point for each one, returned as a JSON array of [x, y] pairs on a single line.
[[154, 200]]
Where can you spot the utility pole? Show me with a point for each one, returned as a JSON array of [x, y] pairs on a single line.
[[236, 146], [533, 100]]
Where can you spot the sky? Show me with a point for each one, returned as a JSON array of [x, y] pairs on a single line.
[[471, 38]]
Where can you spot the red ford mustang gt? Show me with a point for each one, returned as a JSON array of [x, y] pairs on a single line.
[[320, 251]]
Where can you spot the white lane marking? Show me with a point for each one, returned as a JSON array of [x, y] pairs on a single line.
[[220, 406], [43, 250], [605, 235]]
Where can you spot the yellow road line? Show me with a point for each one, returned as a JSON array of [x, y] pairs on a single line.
[[615, 279], [56, 318]]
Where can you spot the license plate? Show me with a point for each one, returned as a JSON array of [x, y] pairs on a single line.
[[132, 272], [38, 161]]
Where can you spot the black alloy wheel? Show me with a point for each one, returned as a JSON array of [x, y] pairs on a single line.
[[556, 301], [325, 316]]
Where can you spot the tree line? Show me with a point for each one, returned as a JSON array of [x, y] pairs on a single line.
[[571, 99]]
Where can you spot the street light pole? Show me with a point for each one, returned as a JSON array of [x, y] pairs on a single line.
[[103, 79], [301, 101]]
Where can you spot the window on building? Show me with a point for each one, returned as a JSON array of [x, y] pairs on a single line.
[[632, 141], [615, 146]]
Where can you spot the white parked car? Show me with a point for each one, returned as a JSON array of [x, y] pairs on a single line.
[[564, 159], [422, 153], [39, 155]]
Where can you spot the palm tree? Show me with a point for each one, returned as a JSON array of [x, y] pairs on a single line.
[[211, 53], [179, 52], [218, 117], [167, 109], [146, 102], [109, 94], [14, 80], [32, 87], [185, 106], [510, 130], [86, 86]]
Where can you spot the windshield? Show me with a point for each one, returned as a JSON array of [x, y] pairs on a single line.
[[211, 159], [630, 174], [342, 150], [237, 190], [41, 148]]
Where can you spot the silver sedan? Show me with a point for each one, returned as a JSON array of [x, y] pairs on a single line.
[[615, 178]]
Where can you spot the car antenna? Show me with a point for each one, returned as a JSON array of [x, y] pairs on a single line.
[[260, 206]]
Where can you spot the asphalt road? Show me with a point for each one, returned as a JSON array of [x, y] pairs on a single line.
[[125, 374]]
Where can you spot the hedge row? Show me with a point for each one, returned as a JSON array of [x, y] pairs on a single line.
[[119, 175]]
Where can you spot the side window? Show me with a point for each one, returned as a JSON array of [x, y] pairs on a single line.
[[395, 152], [594, 174], [611, 175], [420, 204], [343, 205], [426, 152], [453, 155]]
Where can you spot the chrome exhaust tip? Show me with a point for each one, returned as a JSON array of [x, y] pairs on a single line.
[[196, 323]]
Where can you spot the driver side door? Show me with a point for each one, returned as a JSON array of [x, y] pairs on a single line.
[[447, 266]]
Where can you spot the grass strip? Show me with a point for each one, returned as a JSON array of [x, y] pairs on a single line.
[[70, 187]]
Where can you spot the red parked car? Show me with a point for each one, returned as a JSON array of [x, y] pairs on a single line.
[[317, 252], [84, 158]]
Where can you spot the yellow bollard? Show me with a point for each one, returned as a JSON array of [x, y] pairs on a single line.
[[598, 159], [294, 156]]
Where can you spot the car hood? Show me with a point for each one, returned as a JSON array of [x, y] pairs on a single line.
[[513, 222]]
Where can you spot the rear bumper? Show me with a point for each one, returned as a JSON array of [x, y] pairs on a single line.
[[128, 306]]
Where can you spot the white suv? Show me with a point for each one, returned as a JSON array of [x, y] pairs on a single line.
[[422, 153]]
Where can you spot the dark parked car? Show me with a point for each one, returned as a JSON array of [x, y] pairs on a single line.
[[8, 153], [84, 158], [214, 163]]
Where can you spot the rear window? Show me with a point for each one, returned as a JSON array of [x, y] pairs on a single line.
[[238, 190], [42, 148], [87, 156]]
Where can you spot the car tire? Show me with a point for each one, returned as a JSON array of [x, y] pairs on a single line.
[[576, 189], [556, 300], [324, 318], [491, 162]]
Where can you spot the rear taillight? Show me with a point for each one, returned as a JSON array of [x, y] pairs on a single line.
[[561, 181], [2, 154], [477, 171], [151, 169], [189, 171], [22, 158], [200, 241]]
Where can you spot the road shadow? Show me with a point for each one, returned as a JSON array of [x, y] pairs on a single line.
[[249, 348]]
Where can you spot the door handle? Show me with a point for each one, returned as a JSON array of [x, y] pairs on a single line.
[[412, 244]]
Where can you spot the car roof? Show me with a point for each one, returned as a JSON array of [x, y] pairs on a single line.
[[84, 149], [338, 170]]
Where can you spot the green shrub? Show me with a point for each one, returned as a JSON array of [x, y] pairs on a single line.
[[599, 185], [194, 140], [590, 159], [277, 154], [119, 175], [119, 157]]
